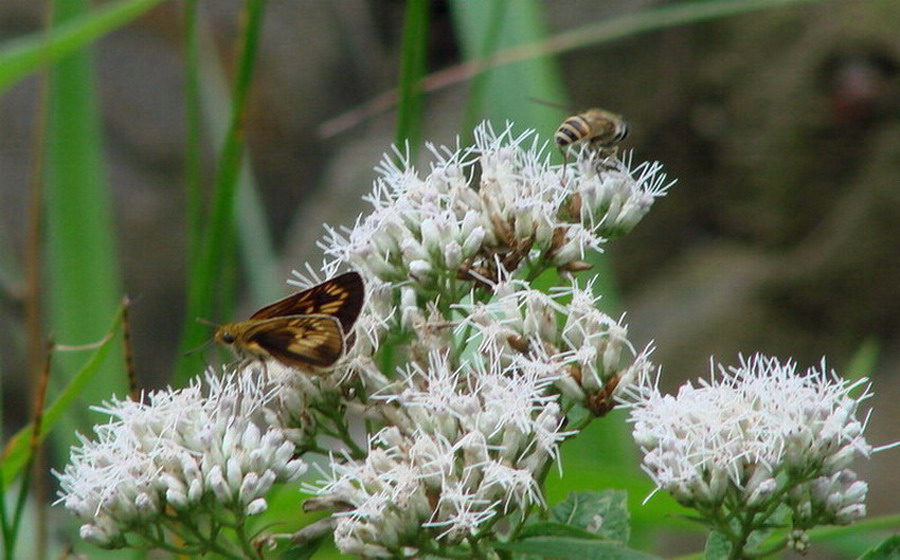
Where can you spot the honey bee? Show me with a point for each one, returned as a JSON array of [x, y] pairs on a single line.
[[601, 129]]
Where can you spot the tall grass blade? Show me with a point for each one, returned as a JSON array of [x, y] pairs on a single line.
[[193, 175], [84, 286], [255, 242], [507, 92], [865, 360], [415, 43], [20, 57], [206, 279]]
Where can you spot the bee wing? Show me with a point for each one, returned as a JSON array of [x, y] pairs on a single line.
[[340, 297], [300, 341]]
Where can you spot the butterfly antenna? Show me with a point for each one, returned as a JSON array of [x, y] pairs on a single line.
[[207, 322], [202, 347]]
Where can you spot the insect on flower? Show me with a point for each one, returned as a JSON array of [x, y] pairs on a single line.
[[307, 330], [601, 129]]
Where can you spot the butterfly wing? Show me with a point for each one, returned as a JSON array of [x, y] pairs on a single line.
[[299, 341], [340, 297]]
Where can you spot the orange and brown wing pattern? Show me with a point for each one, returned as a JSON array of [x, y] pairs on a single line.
[[299, 341], [341, 297]]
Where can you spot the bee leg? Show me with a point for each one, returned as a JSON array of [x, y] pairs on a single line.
[[607, 156], [564, 166]]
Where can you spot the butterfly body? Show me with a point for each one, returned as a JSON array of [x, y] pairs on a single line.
[[307, 330]]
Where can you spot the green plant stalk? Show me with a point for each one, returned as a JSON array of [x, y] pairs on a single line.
[[415, 43], [219, 234], [20, 57], [35, 459], [193, 179], [84, 286], [259, 259]]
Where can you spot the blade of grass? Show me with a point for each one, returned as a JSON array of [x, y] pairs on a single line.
[[204, 283], [20, 57], [34, 458], [489, 40], [193, 177], [255, 240], [84, 287], [507, 90], [415, 43]]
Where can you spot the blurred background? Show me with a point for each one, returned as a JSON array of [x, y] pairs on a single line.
[[782, 127]]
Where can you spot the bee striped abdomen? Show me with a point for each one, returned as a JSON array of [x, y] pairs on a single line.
[[572, 130], [601, 129]]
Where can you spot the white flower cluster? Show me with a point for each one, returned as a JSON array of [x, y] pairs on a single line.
[[458, 449], [759, 434], [438, 230], [174, 456], [491, 364], [471, 443], [585, 350]]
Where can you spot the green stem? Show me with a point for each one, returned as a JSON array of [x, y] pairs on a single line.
[[245, 542], [208, 543], [356, 452], [219, 235], [193, 152], [415, 43], [20, 57]]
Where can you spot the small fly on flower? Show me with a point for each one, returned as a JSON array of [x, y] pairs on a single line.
[[307, 330]]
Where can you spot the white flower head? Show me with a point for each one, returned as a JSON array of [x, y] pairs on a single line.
[[432, 231], [481, 434], [563, 334], [754, 433], [182, 449]]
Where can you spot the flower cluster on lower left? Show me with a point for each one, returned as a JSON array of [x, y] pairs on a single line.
[[188, 462]]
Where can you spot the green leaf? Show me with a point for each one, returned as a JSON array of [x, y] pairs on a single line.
[[887, 550], [864, 360], [717, 546], [566, 547], [551, 529], [302, 552], [602, 513], [20, 57]]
